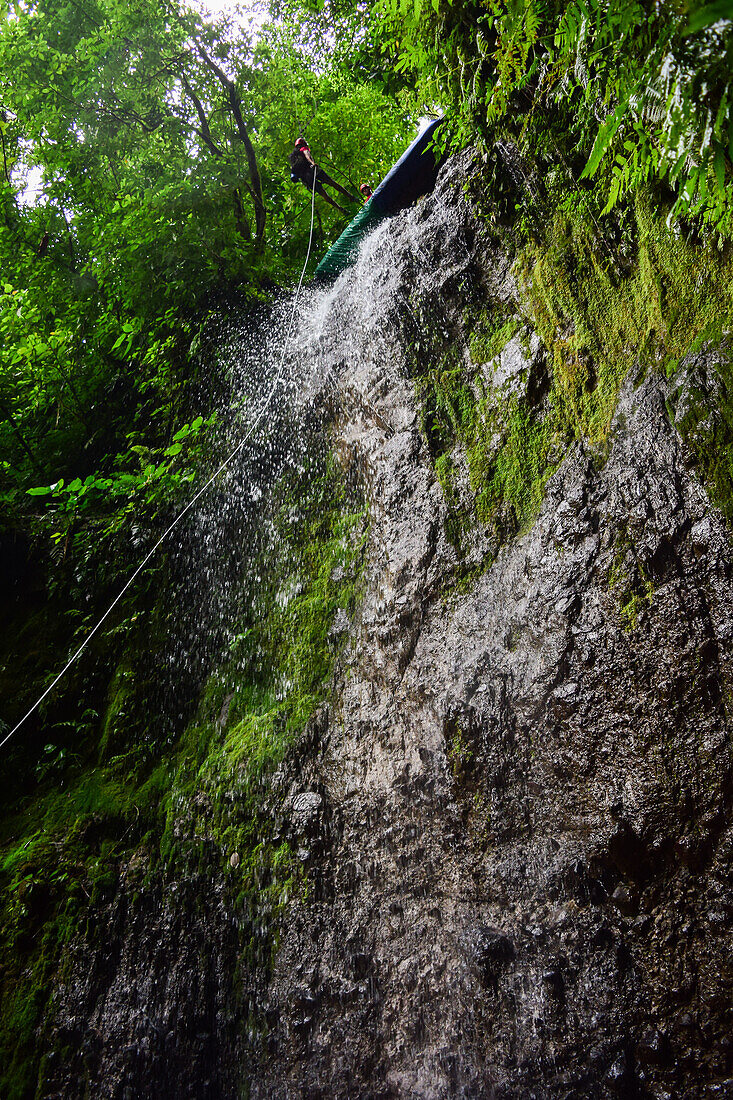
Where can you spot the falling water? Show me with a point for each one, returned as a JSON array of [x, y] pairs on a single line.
[[353, 348]]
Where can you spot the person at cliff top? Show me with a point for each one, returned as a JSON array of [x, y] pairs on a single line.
[[302, 168], [366, 191]]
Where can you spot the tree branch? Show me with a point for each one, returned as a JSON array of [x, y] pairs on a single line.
[[70, 241], [21, 240], [168, 66], [240, 219], [235, 106], [6, 412], [204, 130], [5, 160], [127, 116]]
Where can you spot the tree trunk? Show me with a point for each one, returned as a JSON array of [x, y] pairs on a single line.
[[240, 219], [255, 181]]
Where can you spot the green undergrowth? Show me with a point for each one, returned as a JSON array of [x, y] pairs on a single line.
[[157, 812], [598, 316]]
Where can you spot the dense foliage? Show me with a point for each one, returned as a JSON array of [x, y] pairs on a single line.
[[624, 92], [157, 146], [143, 180], [143, 185]]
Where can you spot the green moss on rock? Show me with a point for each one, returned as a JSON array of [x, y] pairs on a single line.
[[121, 799], [276, 679], [494, 447], [629, 583], [599, 317], [706, 425]]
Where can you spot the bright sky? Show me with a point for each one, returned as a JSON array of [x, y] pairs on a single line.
[[248, 13]]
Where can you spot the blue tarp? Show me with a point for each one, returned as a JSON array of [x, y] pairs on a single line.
[[413, 175]]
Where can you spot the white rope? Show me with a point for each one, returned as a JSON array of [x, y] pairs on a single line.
[[199, 494]]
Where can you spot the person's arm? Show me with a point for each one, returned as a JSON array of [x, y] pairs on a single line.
[[307, 154]]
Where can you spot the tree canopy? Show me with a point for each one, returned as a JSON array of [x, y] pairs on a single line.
[[157, 145], [627, 93]]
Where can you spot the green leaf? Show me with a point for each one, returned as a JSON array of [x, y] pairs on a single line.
[[711, 13], [40, 491], [604, 137]]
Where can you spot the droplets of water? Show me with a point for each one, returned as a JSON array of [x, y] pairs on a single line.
[[348, 360]]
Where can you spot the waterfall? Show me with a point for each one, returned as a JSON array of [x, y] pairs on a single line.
[[441, 794], [349, 361]]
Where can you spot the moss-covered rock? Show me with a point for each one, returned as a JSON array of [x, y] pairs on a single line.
[[125, 799], [520, 384]]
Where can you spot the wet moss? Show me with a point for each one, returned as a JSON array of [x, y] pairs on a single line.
[[706, 425], [491, 335], [513, 475], [257, 706], [459, 752], [629, 583], [499, 438], [114, 722], [600, 311], [598, 317]]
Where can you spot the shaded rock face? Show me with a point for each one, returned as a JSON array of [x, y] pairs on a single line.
[[523, 887], [145, 1006], [514, 815]]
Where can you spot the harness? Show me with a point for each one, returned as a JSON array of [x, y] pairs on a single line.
[[300, 167]]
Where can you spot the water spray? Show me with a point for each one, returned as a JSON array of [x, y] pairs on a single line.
[[187, 508]]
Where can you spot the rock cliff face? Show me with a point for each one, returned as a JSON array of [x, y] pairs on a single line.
[[518, 830], [514, 812], [520, 855]]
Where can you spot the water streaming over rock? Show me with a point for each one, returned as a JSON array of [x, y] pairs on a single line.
[[285, 377], [511, 810]]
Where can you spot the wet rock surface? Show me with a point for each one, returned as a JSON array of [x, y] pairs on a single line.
[[145, 1007], [525, 891], [514, 815]]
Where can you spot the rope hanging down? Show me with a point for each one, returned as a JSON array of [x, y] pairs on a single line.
[[199, 494]]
